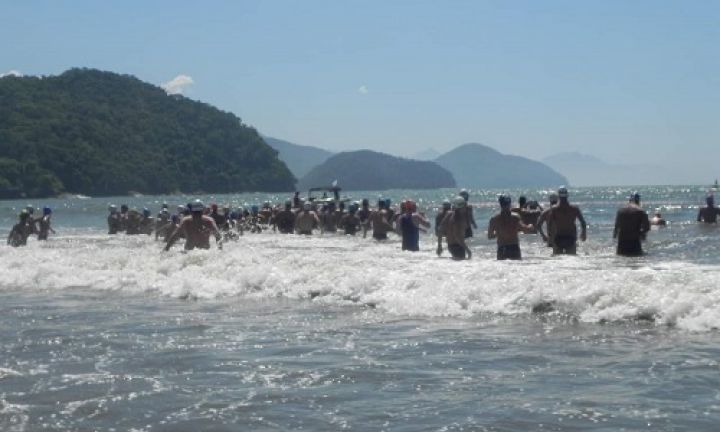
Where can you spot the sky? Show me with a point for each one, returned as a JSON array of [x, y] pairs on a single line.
[[632, 82]]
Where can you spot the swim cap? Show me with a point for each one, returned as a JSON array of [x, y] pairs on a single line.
[[24, 214], [459, 202], [124, 207], [522, 200], [635, 196], [112, 208], [553, 198], [146, 212], [464, 193], [504, 200], [446, 205], [562, 192], [47, 210], [30, 209], [365, 202], [164, 205], [254, 209], [197, 206]]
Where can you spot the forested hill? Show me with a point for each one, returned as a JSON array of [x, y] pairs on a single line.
[[100, 133], [369, 170]]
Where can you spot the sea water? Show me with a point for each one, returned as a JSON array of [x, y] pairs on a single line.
[[325, 333]]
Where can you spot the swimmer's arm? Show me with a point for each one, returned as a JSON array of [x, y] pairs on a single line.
[[645, 226], [539, 224], [699, 216], [471, 217], [491, 231], [173, 237], [583, 225]]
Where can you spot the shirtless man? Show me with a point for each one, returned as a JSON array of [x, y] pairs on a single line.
[[446, 205], [44, 228], [284, 220], [364, 214], [379, 221], [708, 214], [469, 210], [113, 220], [453, 227], [306, 220], [408, 226], [563, 216], [505, 227], [657, 219], [631, 226], [545, 218], [350, 222], [21, 231], [197, 229], [329, 219]]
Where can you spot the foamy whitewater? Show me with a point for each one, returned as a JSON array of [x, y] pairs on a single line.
[[283, 332]]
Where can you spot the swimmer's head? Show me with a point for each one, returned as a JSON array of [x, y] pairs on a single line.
[[533, 205], [504, 200], [522, 200], [464, 193], [24, 215], [381, 204], [146, 212], [30, 209], [214, 207], [47, 210], [562, 192], [365, 202], [553, 198], [307, 207], [710, 200], [112, 208], [197, 207], [657, 211], [446, 205], [635, 197], [459, 202], [124, 208], [288, 205], [175, 218], [410, 206]]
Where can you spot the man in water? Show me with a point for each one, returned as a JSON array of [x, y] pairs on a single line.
[[563, 216], [329, 218], [657, 219], [306, 220], [350, 221], [469, 210], [284, 220], [113, 220], [44, 228], [379, 221], [545, 218], [133, 222], [21, 231], [364, 214], [147, 222], [446, 205], [408, 226], [505, 227], [453, 227], [197, 229], [708, 214], [631, 225]]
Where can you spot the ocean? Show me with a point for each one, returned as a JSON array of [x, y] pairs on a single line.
[[325, 333]]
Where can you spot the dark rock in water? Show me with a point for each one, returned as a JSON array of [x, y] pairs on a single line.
[[544, 307]]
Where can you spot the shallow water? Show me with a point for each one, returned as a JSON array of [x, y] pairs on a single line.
[[327, 333]]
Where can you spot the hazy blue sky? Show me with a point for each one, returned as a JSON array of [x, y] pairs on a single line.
[[628, 81]]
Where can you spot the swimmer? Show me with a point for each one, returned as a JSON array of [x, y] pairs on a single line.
[[545, 218], [197, 229], [469, 210], [113, 220], [504, 226], [284, 221], [631, 226], [350, 221], [453, 227], [379, 221], [408, 226], [44, 228], [563, 217], [657, 219], [306, 220], [20, 231], [708, 214]]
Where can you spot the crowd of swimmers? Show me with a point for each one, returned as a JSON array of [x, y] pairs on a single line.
[[561, 225]]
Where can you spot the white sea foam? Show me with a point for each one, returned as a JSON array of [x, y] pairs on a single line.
[[355, 271]]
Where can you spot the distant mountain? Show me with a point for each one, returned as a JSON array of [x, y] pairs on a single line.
[[586, 170], [99, 133], [477, 165], [369, 170], [299, 158], [426, 155]]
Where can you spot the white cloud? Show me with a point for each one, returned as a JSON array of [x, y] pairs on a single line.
[[362, 89], [11, 73], [177, 84]]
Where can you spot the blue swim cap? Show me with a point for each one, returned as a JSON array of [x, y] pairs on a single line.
[[47, 210]]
